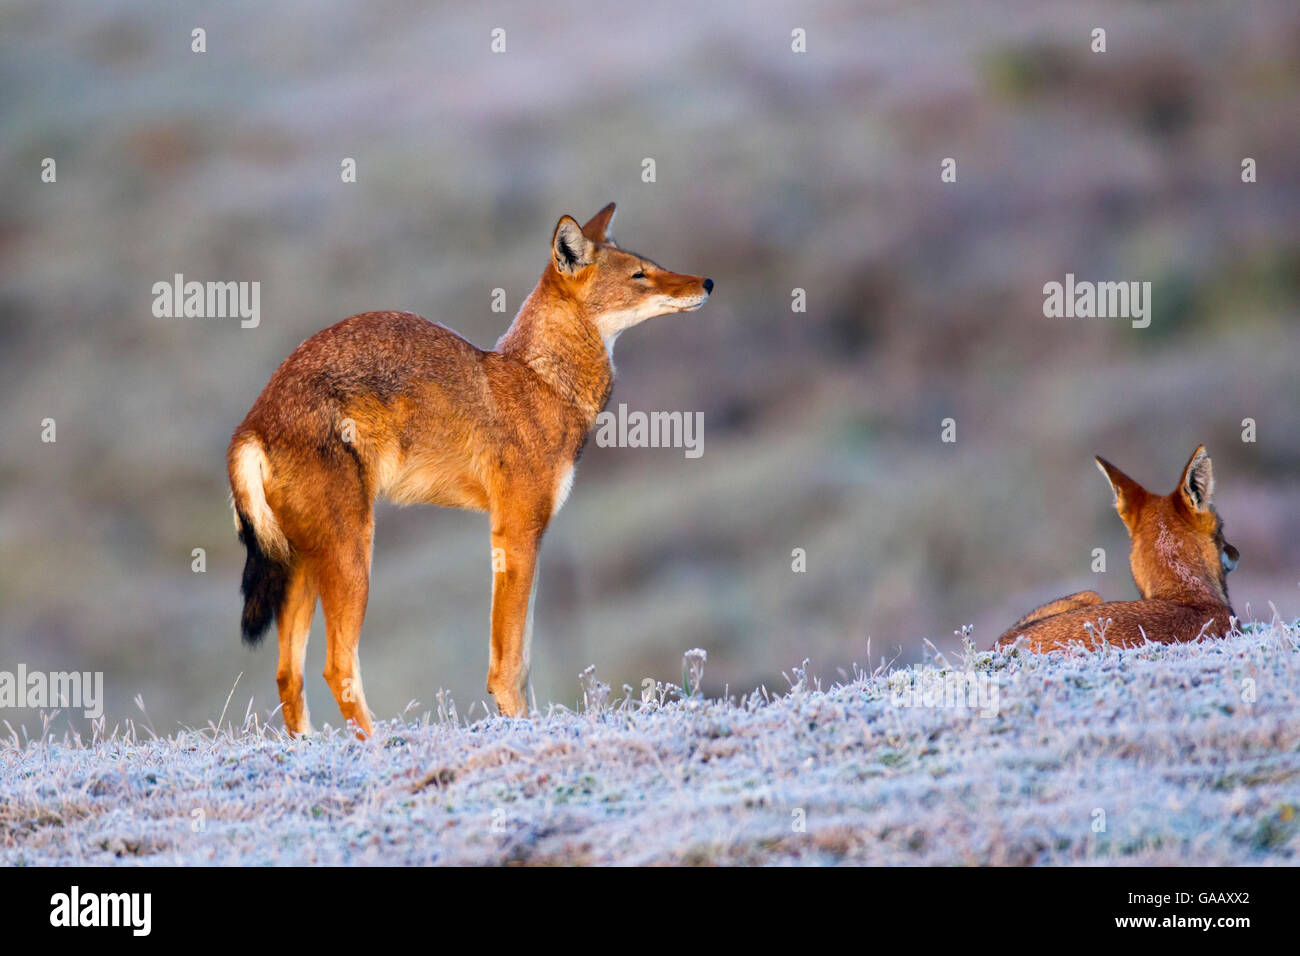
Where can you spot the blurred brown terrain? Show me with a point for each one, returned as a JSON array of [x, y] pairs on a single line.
[[775, 171]]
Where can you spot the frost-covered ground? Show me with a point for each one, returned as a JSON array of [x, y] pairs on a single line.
[[1183, 754]]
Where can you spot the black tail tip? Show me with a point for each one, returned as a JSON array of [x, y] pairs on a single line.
[[264, 585]]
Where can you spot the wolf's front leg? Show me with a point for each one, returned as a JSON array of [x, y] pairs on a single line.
[[514, 562]]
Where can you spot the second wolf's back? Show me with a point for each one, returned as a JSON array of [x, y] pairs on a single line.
[[1123, 623]]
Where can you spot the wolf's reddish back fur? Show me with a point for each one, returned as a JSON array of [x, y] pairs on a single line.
[[1180, 563], [389, 404]]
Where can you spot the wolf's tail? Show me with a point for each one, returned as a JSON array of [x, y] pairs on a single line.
[[266, 570]]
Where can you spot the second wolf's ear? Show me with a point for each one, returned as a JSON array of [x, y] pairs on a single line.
[[597, 227], [1128, 493], [1197, 486], [571, 251]]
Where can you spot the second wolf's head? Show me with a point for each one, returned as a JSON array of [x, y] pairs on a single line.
[[1179, 552], [611, 287]]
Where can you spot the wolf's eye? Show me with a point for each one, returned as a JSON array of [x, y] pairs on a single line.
[[638, 275], [1229, 557]]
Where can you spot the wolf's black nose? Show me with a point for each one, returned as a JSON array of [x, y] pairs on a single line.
[[708, 285]]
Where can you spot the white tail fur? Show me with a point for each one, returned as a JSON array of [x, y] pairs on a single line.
[[247, 479]]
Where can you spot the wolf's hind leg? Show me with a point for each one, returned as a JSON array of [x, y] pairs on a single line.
[[1071, 602], [294, 624], [344, 576]]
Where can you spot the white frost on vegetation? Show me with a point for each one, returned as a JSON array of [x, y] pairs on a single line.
[[1186, 754]]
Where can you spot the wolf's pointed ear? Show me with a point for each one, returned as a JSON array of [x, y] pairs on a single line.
[[597, 227], [571, 251], [1197, 486], [1128, 493]]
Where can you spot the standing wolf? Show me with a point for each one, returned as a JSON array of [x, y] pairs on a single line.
[[390, 404]]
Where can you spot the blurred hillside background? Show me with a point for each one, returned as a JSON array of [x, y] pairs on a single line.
[[775, 170]]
